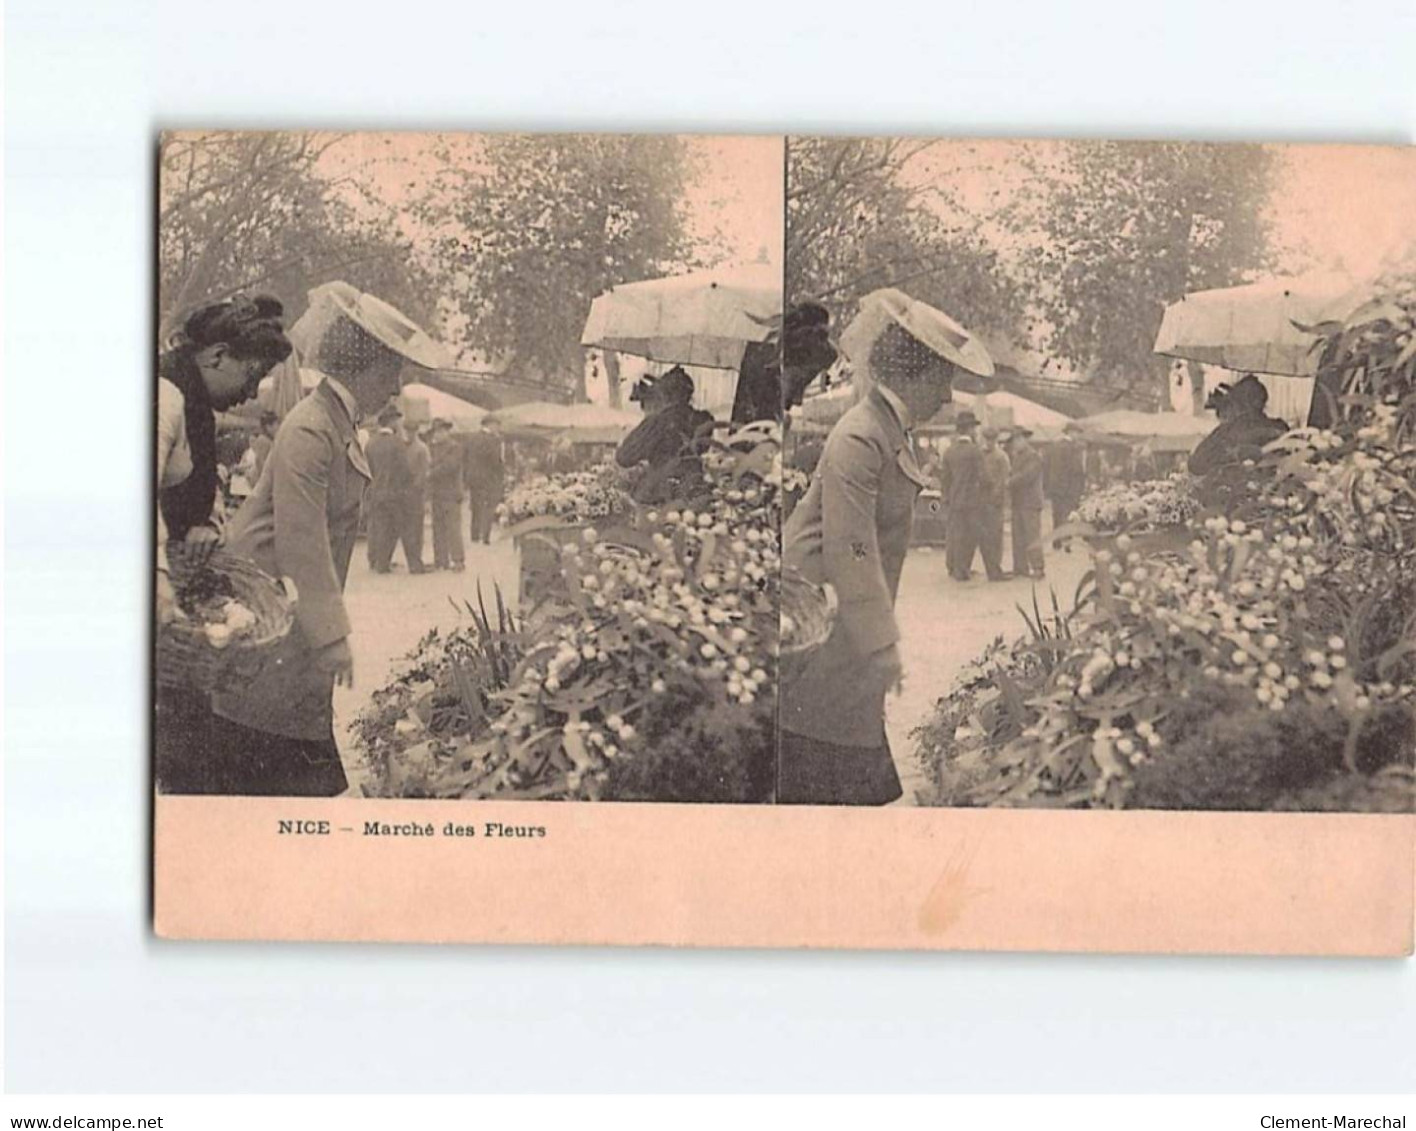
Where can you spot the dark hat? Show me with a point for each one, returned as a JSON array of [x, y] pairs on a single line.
[[806, 315], [440, 422], [1249, 392], [1021, 430], [675, 383], [390, 414], [966, 419]]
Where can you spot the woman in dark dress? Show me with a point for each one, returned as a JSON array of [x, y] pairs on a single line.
[[215, 361]]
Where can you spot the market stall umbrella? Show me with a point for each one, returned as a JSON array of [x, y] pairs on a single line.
[[579, 423], [705, 318], [465, 417], [1024, 413], [1256, 328], [923, 322]]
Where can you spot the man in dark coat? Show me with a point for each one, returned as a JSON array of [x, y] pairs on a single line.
[[960, 482], [1025, 489], [667, 439], [1065, 477], [445, 497], [993, 504], [1243, 428], [414, 504], [484, 472], [388, 462]]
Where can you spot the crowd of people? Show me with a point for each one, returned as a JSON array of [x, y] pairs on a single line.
[[990, 476], [422, 471]]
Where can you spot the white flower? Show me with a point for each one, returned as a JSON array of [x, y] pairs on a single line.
[[658, 687]]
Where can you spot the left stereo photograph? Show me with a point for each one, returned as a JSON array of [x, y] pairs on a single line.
[[468, 466]]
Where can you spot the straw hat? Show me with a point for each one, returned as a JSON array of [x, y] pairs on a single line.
[[388, 325], [931, 327]]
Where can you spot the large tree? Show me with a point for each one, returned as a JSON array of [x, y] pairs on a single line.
[[533, 227], [857, 221], [1118, 230], [258, 211]]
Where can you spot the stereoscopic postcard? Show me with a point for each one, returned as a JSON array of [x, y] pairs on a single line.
[[809, 541]]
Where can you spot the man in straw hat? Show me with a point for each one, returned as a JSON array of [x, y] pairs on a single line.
[[852, 530], [275, 737]]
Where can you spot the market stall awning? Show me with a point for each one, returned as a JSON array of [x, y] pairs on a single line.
[[704, 318], [583, 423], [1128, 424], [1256, 328], [1004, 407], [465, 417]]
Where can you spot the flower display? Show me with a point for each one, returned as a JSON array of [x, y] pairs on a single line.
[[1267, 664], [600, 493], [646, 669], [1145, 505]]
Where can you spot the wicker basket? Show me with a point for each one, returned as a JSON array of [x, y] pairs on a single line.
[[186, 658], [812, 609]]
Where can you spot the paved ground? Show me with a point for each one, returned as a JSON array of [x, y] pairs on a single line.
[[391, 613], [946, 624]]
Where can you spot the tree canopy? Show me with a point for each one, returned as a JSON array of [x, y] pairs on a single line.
[[539, 225], [1119, 230], [258, 212], [856, 222]]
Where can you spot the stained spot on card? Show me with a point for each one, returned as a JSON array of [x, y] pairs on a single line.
[[951, 894]]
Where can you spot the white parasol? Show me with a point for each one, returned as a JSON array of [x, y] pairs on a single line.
[[705, 318], [1257, 328]]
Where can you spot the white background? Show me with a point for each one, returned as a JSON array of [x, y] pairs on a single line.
[[94, 1003]]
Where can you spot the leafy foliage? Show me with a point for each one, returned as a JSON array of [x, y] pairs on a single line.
[[533, 227], [270, 211], [856, 222], [1266, 665], [1121, 229]]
